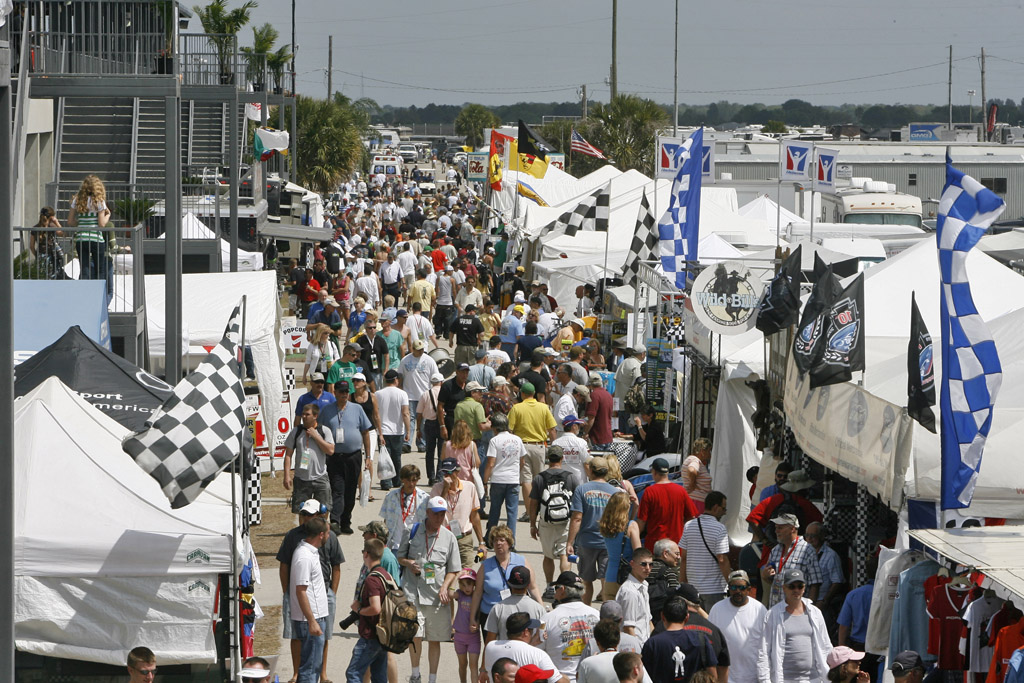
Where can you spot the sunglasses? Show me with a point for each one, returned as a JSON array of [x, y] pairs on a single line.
[[796, 586], [738, 588], [646, 564]]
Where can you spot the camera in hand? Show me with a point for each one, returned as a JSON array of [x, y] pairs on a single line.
[[349, 620]]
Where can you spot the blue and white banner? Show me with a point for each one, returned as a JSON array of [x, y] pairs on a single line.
[[678, 229], [671, 156], [971, 371], [825, 169], [795, 159], [707, 166]]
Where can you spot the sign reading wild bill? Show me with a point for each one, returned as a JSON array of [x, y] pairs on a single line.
[[726, 298]]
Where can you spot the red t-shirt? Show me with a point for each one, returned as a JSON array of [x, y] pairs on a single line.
[[666, 508], [313, 284], [945, 625], [372, 585], [440, 260], [600, 408], [762, 513]]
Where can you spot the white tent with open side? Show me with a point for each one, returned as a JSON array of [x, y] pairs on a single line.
[[116, 566], [194, 229]]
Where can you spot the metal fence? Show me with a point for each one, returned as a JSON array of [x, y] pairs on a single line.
[[215, 59]]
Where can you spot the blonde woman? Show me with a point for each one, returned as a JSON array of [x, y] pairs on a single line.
[[621, 537], [463, 449], [321, 354], [615, 479], [357, 317], [89, 212]]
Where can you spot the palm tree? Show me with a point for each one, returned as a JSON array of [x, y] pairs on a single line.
[[263, 39], [625, 129], [329, 145], [223, 26], [472, 121], [277, 61]]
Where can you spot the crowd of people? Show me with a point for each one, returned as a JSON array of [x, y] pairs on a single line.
[[634, 584]]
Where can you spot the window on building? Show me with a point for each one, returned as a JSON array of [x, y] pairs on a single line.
[[997, 185], [912, 179]]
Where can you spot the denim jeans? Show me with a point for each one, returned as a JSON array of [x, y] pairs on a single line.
[[367, 654], [411, 434], [312, 657], [431, 445], [394, 445], [508, 494]]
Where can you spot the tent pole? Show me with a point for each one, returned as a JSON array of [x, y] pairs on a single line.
[[778, 211]]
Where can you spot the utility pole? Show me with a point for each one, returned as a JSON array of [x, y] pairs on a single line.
[[330, 67], [984, 102], [584, 100], [675, 78], [615, 29], [294, 84], [949, 93]]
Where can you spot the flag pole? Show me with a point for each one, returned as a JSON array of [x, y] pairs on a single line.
[[235, 592], [778, 213], [813, 171]]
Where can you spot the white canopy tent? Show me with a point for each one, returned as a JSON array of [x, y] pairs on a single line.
[[116, 566], [194, 229], [763, 208]]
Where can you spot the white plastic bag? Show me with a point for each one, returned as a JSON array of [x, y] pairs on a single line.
[[364, 489], [385, 468], [478, 482]]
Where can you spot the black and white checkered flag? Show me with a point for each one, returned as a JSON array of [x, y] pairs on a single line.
[[645, 245], [589, 214], [200, 429]]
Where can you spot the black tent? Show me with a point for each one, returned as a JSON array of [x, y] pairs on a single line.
[[124, 392]]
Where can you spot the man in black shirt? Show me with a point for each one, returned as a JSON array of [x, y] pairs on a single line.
[[452, 391], [320, 272], [537, 375], [698, 623], [374, 353], [468, 331]]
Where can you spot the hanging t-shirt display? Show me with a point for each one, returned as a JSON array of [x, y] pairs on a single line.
[[945, 625], [909, 630], [1009, 640], [975, 645]]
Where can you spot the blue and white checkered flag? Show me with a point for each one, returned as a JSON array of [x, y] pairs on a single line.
[[678, 229], [971, 372]]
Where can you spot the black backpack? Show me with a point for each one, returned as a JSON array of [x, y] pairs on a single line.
[[555, 497]]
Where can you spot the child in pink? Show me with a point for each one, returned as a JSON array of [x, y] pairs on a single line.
[[467, 642]]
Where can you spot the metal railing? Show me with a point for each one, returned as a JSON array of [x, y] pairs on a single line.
[[85, 37], [215, 59], [52, 253]]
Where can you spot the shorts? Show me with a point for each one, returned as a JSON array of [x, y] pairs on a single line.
[[532, 464], [303, 490], [592, 564], [467, 550], [553, 538], [332, 611], [467, 643], [435, 623]]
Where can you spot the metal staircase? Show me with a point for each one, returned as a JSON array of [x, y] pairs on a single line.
[[95, 138]]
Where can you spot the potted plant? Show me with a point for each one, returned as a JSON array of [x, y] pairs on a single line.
[[263, 39], [276, 64], [222, 26], [167, 9], [133, 211]]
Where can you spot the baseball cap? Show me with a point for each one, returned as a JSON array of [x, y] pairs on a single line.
[[390, 375], [359, 376], [595, 381], [474, 386], [402, 313], [520, 269], [519, 622], [841, 655], [310, 507], [377, 527], [584, 392], [330, 301], [250, 673], [436, 377], [568, 579], [786, 518], [571, 419], [792, 576], [462, 366], [467, 573], [500, 381], [480, 353], [519, 577], [316, 377], [418, 344], [527, 388], [448, 465], [688, 592], [905, 662], [470, 307], [531, 673], [739, 575], [437, 504], [518, 309], [342, 386], [610, 609], [659, 465]]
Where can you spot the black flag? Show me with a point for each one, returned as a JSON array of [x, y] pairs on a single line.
[[843, 345], [808, 344], [780, 306], [819, 268], [533, 151], [920, 371]]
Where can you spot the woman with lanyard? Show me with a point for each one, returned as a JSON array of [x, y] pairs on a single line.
[[404, 506], [492, 578], [463, 518], [364, 398]]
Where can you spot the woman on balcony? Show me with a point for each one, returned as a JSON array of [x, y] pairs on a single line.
[[89, 213]]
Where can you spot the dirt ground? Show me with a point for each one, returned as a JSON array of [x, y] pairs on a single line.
[[266, 539]]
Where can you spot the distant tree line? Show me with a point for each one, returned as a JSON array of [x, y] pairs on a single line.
[[794, 112]]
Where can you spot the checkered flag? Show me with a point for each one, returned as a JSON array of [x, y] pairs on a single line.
[[971, 371], [645, 242], [590, 214], [200, 429]]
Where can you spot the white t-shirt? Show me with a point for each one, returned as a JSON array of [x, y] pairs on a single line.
[[501, 611], [416, 374], [306, 571], [741, 627], [507, 451], [521, 653], [390, 401], [568, 629], [419, 328], [702, 569], [366, 287], [636, 607], [495, 357], [598, 669], [574, 453]]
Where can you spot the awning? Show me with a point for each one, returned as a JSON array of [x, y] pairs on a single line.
[[995, 551], [303, 233]]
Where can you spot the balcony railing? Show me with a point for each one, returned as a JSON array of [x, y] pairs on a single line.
[[215, 59]]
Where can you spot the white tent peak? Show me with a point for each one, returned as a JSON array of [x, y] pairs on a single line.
[[765, 209]]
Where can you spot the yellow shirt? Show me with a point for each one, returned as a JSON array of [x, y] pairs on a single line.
[[423, 292], [530, 420]]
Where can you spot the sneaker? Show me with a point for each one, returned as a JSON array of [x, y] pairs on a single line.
[[525, 517], [346, 531], [406, 448], [415, 678], [549, 594], [483, 514]]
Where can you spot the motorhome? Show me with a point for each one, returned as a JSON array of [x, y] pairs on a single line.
[[390, 165], [868, 201]]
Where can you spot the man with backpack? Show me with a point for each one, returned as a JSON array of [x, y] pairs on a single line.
[[548, 508], [369, 652]]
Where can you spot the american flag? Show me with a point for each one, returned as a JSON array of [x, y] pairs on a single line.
[[583, 147]]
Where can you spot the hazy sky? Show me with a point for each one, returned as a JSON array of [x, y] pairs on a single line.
[[506, 51]]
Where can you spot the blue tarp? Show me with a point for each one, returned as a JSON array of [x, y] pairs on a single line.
[[45, 309]]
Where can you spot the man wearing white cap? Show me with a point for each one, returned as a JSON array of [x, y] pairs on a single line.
[[792, 552], [430, 555], [427, 425], [416, 370]]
